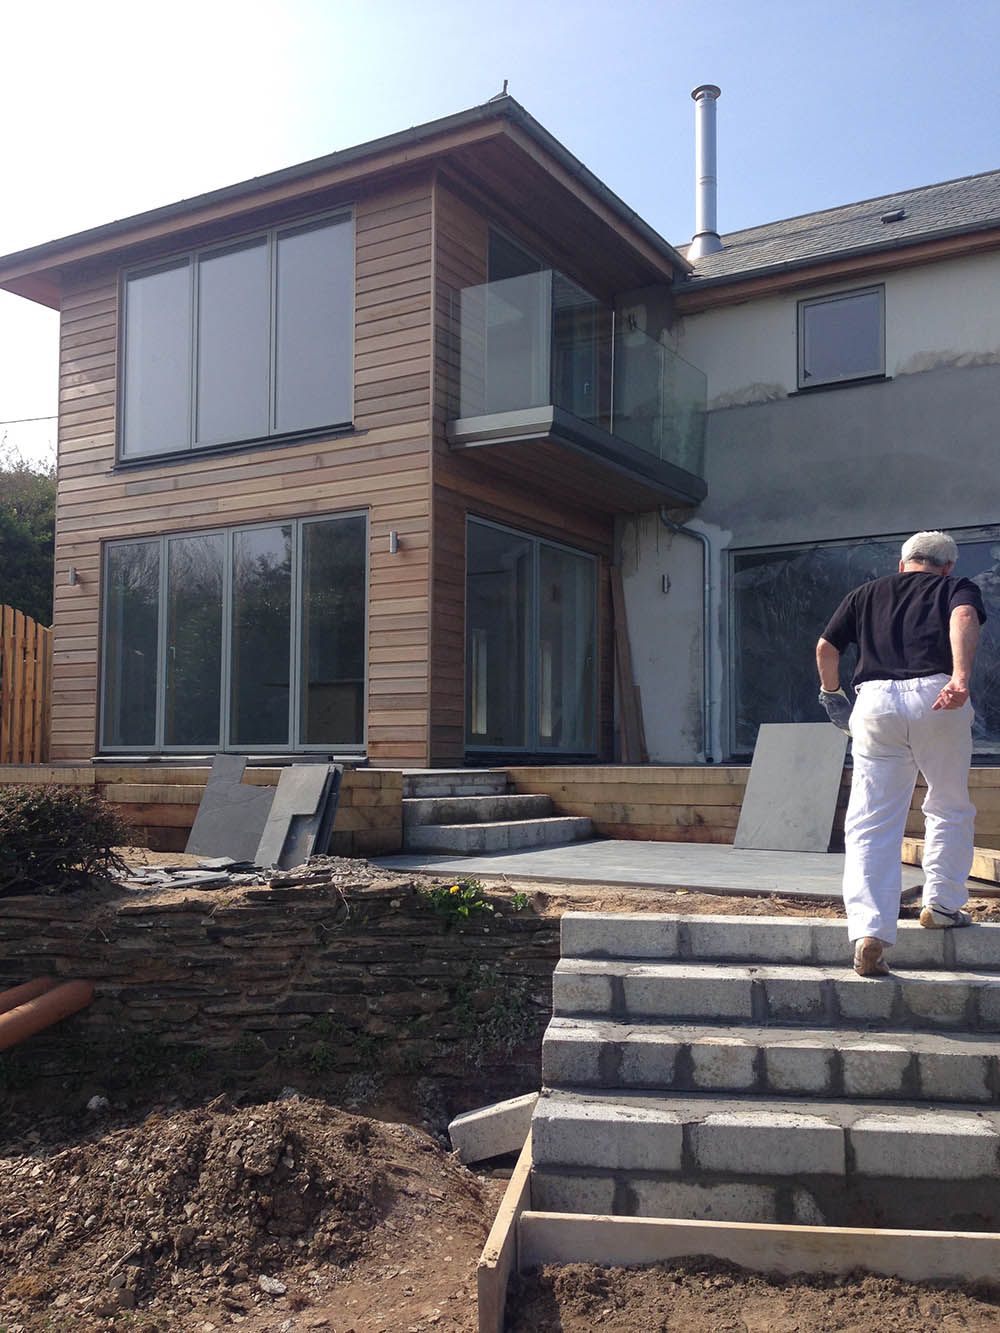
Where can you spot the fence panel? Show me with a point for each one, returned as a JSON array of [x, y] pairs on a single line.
[[25, 688]]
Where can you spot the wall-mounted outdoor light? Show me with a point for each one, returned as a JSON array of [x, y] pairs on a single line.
[[74, 578], [393, 542]]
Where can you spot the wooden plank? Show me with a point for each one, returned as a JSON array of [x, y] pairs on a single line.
[[985, 861], [499, 1257], [916, 1256]]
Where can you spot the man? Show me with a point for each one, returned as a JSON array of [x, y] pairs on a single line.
[[916, 633]]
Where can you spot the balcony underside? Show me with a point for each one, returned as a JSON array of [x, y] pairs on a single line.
[[552, 450]]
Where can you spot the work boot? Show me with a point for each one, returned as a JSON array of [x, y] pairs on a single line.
[[934, 917], [868, 960]]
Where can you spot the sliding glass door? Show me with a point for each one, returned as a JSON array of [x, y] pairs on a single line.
[[247, 638], [531, 629]]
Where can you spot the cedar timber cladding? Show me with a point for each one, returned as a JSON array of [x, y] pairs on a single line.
[[383, 467], [463, 485]]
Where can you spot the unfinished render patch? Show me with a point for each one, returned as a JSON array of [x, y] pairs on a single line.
[[301, 818], [791, 793], [232, 813]]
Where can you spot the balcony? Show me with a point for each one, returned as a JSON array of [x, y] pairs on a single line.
[[559, 390]]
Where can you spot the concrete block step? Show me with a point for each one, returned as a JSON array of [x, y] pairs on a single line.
[[831, 1162], [423, 782], [507, 835], [805, 940], [777, 1061], [474, 809], [818, 996]]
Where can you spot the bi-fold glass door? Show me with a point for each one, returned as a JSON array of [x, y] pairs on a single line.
[[250, 638], [531, 626]]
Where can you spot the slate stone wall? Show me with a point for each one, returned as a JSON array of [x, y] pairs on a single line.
[[336, 979]]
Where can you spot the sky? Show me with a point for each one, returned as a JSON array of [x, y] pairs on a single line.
[[113, 107]]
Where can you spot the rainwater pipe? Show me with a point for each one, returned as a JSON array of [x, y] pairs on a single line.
[[706, 615], [38, 1004]]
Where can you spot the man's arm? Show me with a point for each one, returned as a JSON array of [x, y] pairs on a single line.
[[963, 633], [828, 664]]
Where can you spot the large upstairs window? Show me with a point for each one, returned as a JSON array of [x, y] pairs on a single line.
[[249, 638], [240, 342]]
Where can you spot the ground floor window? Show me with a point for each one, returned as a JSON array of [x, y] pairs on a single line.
[[531, 633], [783, 597], [249, 638]]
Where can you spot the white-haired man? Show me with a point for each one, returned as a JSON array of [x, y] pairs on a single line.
[[916, 634]]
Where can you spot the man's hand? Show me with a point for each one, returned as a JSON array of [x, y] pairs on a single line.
[[838, 707], [953, 695]]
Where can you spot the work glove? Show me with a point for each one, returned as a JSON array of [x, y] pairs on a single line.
[[838, 707]]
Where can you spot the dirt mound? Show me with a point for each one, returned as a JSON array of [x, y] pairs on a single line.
[[703, 1295], [214, 1211]]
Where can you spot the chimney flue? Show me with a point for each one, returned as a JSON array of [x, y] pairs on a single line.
[[706, 237]]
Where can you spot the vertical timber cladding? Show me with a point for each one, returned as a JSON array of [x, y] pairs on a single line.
[[463, 486], [383, 466]]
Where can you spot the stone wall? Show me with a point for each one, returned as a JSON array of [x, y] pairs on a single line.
[[340, 979]]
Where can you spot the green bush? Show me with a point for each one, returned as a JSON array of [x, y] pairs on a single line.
[[57, 839]]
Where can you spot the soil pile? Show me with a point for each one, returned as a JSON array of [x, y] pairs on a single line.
[[204, 1216], [706, 1296]]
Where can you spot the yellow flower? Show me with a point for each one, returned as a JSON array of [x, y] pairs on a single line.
[[454, 889]]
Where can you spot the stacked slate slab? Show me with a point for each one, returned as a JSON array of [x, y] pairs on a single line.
[[472, 811], [737, 1069], [267, 826]]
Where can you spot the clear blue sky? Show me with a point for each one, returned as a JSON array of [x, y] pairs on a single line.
[[112, 107]]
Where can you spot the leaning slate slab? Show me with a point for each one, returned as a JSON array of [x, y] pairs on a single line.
[[232, 814], [791, 794], [301, 819]]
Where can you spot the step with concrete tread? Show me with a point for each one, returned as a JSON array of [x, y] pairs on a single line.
[[506, 835], [780, 1062], [805, 940], [840, 1161], [427, 782], [474, 809], [819, 996]]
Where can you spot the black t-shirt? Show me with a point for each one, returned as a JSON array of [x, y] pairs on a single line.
[[900, 624]]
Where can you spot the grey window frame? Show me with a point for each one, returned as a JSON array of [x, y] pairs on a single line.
[[294, 746], [804, 381], [192, 259], [975, 534], [531, 683]]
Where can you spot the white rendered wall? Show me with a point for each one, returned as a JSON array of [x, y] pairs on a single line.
[[944, 314]]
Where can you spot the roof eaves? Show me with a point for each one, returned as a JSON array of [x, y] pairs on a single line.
[[499, 109], [694, 282]]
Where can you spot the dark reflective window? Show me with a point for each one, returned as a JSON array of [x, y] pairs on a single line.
[[131, 644], [333, 632]]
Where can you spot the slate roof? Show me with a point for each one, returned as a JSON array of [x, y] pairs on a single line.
[[971, 203]]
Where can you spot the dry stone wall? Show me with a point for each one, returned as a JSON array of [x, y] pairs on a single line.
[[340, 978]]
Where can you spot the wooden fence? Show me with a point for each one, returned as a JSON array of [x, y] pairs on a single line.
[[25, 688]]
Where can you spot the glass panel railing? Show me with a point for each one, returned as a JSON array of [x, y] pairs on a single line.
[[659, 401], [506, 345], [540, 339]]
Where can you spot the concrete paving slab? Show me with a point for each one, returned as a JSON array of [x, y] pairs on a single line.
[[491, 1131], [697, 867], [791, 793]]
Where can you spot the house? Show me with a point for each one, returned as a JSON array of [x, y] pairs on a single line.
[[342, 448], [348, 453]]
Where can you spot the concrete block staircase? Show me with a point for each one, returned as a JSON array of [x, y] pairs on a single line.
[[737, 1069], [472, 811]]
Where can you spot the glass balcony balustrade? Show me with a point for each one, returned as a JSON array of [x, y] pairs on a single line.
[[540, 340]]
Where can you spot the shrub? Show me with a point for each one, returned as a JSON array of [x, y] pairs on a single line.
[[57, 839]]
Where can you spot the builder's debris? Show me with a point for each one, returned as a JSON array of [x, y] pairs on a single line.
[[221, 872], [269, 826], [492, 1131]]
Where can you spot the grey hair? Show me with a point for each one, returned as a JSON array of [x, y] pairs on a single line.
[[930, 548]]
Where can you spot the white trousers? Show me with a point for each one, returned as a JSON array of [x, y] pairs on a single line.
[[895, 733]]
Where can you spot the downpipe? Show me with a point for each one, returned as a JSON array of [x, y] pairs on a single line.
[[706, 617]]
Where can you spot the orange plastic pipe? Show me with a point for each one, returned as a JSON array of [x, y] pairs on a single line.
[[10, 999], [44, 1010]]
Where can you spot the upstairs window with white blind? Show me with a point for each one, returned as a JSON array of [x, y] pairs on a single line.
[[240, 342]]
